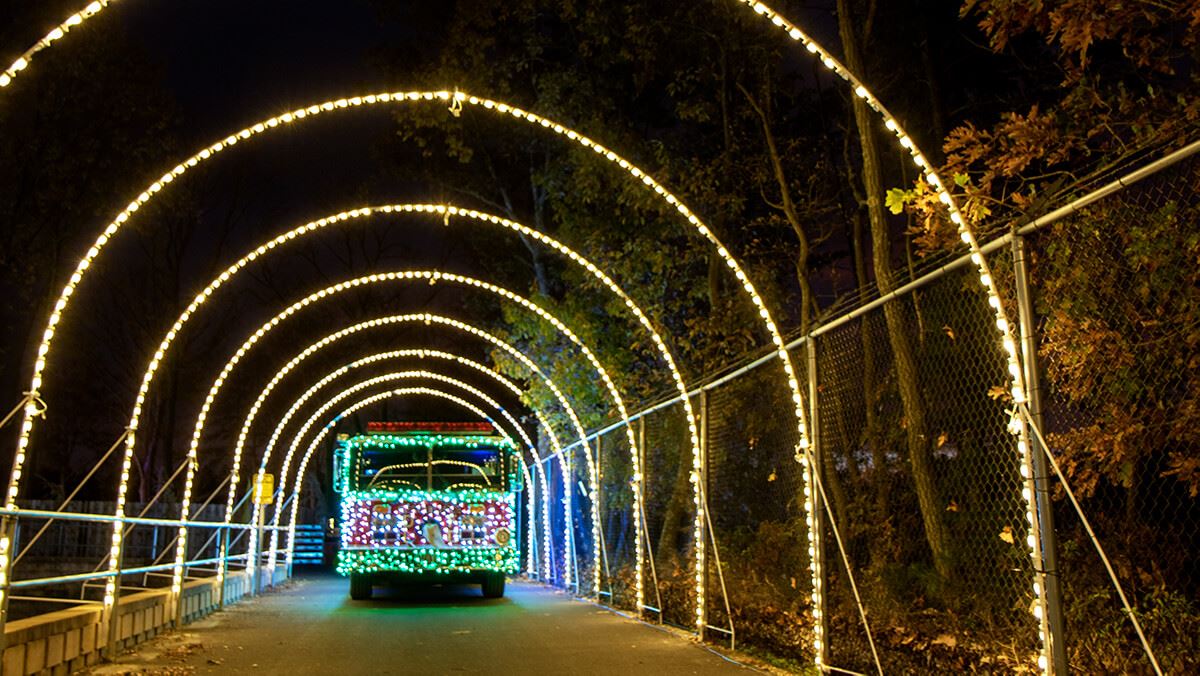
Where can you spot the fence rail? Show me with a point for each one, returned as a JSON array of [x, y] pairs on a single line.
[[52, 562]]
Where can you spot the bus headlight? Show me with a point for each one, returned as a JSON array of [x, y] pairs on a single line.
[[502, 537]]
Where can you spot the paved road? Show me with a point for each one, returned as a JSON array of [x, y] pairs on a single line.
[[312, 627]]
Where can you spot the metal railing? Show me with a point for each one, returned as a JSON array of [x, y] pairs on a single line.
[[56, 587]]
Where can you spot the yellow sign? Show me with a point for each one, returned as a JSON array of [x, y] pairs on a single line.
[[264, 488]]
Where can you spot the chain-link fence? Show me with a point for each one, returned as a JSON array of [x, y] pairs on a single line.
[[756, 502], [923, 481], [1117, 298], [920, 506]]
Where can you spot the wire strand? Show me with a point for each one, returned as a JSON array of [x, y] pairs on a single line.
[[1112, 575]]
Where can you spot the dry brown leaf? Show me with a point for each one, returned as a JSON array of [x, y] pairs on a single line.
[[1007, 535], [946, 640]]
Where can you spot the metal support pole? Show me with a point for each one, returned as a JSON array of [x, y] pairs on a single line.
[[224, 566], [1048, 541], [641, 510], [113, 619], [8, 543], [182, 583], [702, 505], [600, 527], [256, 556], [570, 556], [153, 543], [818, 509], [223, 570]]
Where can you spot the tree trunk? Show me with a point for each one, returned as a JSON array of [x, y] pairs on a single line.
[[919, 448], [870, 394], [788, 207], [668, 539]]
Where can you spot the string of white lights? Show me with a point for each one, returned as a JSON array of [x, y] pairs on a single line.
[[1007, 340], [459, 100], [432, 276], [422, 354], [57, 33], [430, 375], [279, 500], [366, 402]]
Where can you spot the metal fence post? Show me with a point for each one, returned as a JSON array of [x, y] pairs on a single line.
[[640, 515], [255, 555], [8, 545], [182, 581], [223, 569], [701, 504], [818, 506], [1048, 540], [604, 575], [114, 618]]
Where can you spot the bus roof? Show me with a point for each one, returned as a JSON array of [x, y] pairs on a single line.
[[407, 427]]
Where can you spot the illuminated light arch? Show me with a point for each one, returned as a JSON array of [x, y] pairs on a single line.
[[435, 392], [311, 349], [425, 318], [379, 397], [1017, 424], [57, 33], [445, 211], [420, 353], [324, 408], [372, 359], [432, 276], [458, 100], [412, 318]]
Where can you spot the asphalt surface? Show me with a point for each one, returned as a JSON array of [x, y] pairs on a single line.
[[313, 627]]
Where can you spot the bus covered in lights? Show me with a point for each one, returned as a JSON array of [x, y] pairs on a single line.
[[427, 502]]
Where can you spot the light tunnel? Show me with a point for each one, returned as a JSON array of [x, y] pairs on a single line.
[[431, 276], [445, 212], [410, 391], [421, 355], [460, 101], [512, 429]]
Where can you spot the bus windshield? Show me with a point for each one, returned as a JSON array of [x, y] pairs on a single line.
[[430, 469]]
